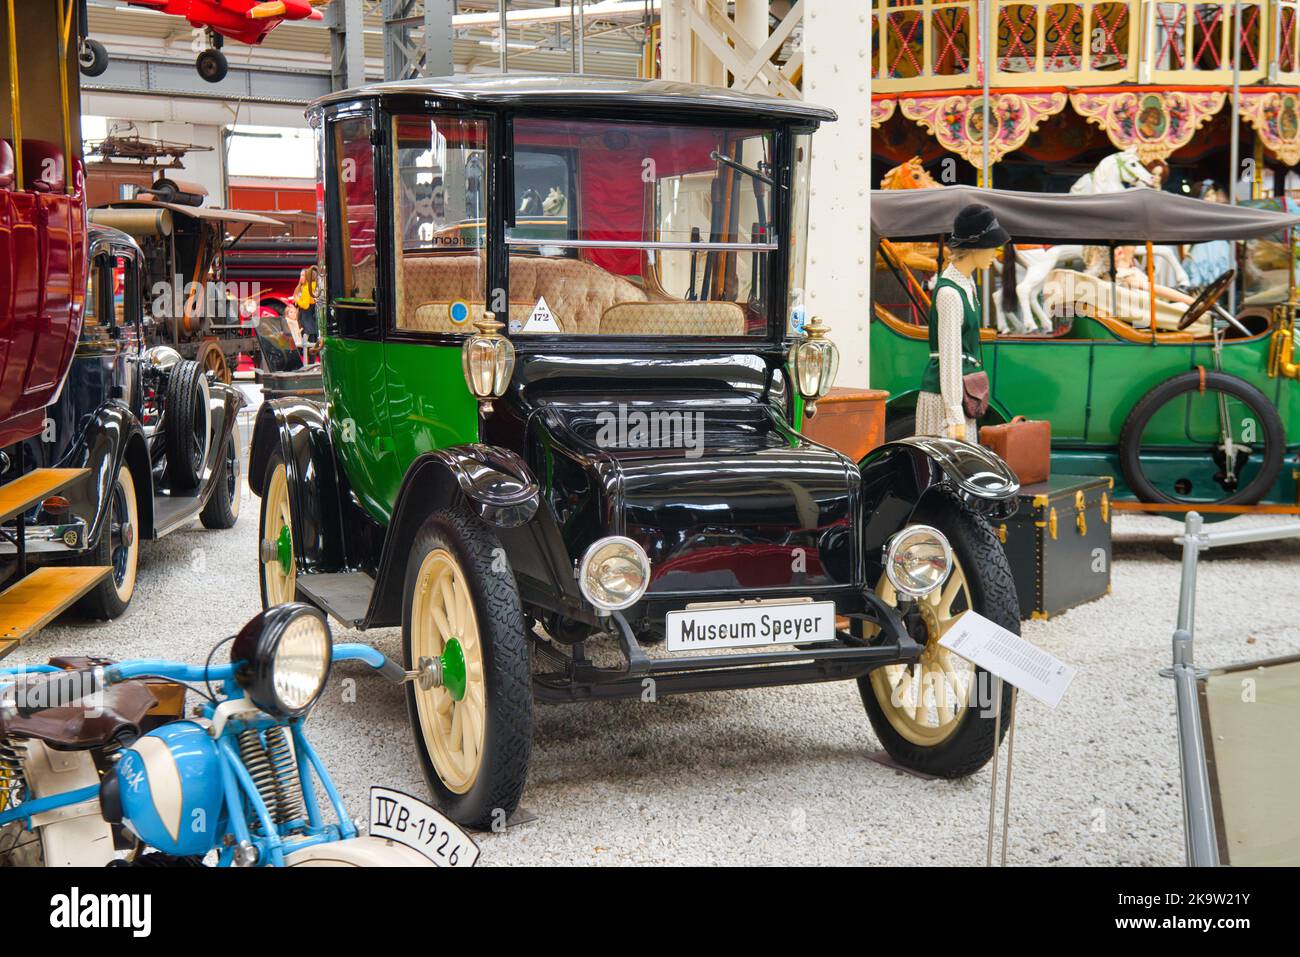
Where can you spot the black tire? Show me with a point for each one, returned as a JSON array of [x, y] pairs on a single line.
[[1274, 436], [222, 509], [186, 424], [495, 791], [993, 594], [92, 57], [212, 65], [900, 425], [119, 547]]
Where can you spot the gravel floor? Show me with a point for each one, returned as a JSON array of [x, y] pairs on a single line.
[[782, 775]]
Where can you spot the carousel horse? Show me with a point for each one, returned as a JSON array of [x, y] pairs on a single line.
[[1118, 172], [922, 257], [1124, 170]]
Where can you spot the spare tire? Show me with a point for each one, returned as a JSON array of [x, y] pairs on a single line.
[[186, 425], [1256, 471]]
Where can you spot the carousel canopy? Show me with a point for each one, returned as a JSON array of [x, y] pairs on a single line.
[[1132, 216]]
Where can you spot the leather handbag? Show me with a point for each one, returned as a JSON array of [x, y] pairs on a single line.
[[975, 394], [1025, 445]]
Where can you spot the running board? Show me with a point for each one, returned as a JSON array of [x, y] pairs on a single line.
[[33, 602], [342, 595], [33, 488]]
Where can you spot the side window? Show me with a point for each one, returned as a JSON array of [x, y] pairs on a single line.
[[353, 271], [440, 217], [98, 315]]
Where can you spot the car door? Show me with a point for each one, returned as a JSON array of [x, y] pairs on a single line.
[[352, 357], [1042, 378]]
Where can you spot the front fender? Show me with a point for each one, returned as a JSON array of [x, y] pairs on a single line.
[[109, 438], [298, 429], [897, 475], [494, 482]]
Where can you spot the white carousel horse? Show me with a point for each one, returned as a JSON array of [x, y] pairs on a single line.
[[1035, 265], [1117, 172]]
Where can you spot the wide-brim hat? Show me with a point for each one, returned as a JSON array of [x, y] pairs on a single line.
[[975, 227]]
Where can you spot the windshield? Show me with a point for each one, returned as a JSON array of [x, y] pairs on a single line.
[[640, 229]]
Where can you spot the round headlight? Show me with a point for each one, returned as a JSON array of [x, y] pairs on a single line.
[[614, 573], [286, 653], [918, 560]]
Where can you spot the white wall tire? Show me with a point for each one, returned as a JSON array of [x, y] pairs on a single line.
[[119, 548]]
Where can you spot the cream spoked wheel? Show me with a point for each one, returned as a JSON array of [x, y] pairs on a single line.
[[926, 701], [444, 629], [276, 530], [471, 701], [935, 715]]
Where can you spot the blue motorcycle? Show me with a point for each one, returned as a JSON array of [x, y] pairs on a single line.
[[98, 766]]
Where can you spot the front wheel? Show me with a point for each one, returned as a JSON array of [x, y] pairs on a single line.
[[461, 610], [119, 548], [936, 716], [275, 537]]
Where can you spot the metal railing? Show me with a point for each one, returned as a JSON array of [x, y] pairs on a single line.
[[920, 45], [1198, 808]]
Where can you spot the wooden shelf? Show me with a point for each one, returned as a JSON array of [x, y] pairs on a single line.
[[37, 485], [33, 602]]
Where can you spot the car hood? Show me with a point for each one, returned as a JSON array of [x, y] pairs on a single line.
[[722, 495]]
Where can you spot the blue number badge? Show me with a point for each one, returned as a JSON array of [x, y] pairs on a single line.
[[458, 312]]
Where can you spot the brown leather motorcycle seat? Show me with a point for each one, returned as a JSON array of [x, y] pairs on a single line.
[[76, 727]]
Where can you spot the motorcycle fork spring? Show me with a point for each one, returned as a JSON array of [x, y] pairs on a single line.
[[273, 767], [13, 783]]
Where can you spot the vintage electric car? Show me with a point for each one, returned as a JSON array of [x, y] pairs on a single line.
[[1198, 407], [615, 459]]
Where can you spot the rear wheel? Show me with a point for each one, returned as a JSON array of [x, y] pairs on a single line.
[[936, 715], [1202, 437], [222, 509], [461, 609], [275, 535], [118, 547], [186, 423]]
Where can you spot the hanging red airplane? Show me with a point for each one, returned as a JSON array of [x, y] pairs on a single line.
[[246, 21]]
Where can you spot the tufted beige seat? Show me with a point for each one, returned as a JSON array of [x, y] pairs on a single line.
[[584, 299]]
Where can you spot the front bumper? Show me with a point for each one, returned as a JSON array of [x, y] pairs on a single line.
[[573, 678]]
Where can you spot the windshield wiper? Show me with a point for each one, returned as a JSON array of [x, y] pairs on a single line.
[[756, 173]]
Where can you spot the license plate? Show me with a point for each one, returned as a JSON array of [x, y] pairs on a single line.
[[407, 820], [750, 625]]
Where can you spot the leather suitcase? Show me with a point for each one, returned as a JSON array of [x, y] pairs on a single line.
[[1025, 445], [851, 421], [1058, 543]]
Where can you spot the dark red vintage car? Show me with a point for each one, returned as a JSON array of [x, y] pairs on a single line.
[[42, 219]]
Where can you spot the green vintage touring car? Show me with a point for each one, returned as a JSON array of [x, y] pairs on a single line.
[[1202, 410]]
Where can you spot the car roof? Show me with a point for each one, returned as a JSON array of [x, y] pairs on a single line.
[[1131, 216], [585, 92]]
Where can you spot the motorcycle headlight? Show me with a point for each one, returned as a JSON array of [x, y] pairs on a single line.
[[918, 560], [286, 653], [614, 573]]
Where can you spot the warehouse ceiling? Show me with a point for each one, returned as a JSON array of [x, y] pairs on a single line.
[[613, 44]]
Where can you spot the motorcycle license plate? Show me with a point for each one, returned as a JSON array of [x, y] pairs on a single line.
[[407, 820]]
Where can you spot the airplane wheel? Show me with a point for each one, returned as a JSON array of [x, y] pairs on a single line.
[[212, 65], [92, 57]]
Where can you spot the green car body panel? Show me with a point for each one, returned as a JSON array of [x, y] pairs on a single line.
[[1086, 385], [389, 403]]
